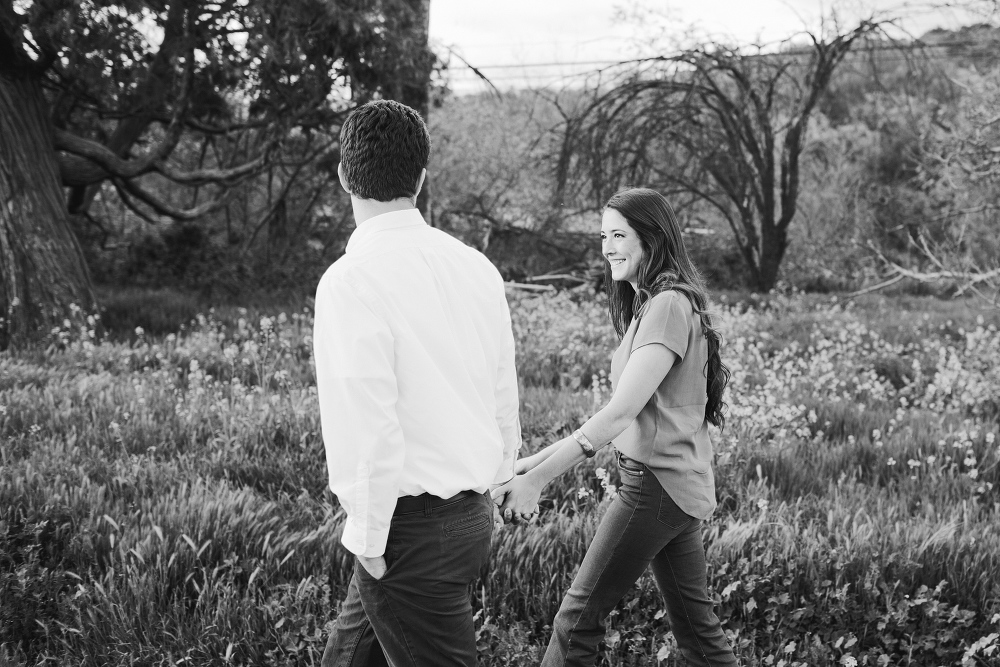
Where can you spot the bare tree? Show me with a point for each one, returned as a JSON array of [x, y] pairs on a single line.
[[714, 124]]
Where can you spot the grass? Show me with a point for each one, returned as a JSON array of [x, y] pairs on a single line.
[[163, 493]]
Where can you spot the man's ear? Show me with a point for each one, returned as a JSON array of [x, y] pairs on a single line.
[[343, 178], [420, 183]]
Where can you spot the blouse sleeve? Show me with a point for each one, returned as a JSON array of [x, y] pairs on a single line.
[[667, 322]]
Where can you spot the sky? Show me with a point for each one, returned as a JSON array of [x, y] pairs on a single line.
[[514, 41]]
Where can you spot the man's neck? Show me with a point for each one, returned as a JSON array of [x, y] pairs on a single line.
[[365, 209]]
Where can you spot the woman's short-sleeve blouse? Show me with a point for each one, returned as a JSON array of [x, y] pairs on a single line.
[[670, 434]]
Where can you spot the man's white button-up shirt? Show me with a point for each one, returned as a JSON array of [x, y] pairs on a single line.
[[415, 372]]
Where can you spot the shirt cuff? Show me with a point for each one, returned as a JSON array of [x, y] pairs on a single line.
[[506, 472], [362, 543]]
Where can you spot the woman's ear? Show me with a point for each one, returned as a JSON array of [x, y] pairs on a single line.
[[343, 178]]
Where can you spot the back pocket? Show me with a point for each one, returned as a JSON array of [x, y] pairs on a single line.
[[469, 525], [670, 514]]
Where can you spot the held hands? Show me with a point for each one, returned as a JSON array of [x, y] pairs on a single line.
[[518, 498]]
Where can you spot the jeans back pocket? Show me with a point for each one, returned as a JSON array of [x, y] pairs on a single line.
[[670, 514], [469, 525]]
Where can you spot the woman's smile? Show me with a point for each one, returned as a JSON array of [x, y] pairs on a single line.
[[621, 246]]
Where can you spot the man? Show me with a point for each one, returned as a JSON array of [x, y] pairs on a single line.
[[418, 399]]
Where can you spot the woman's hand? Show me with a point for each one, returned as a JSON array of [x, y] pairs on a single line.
[[518, 498]]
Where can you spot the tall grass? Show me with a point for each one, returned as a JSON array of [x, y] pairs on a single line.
[[163, 496]]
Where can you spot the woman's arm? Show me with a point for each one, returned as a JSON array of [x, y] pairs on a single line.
[[645, 370], [522, 466]]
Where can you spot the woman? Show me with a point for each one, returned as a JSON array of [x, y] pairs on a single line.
[[668, 382]]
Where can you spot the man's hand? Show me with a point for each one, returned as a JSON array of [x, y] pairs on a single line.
[[375, 566], [522, 466], [519, 498]]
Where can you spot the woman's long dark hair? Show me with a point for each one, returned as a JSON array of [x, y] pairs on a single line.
[[665, 266]]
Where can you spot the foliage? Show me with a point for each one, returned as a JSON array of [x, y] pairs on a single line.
[[164, 499]]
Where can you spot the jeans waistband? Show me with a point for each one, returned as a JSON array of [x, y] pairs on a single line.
[[426, 502]]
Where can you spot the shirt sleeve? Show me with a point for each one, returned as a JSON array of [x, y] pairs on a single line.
[[667, 322], [507, 403], [357, 390]]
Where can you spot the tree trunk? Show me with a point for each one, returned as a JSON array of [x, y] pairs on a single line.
[[41, 263], [415, 91], [773, 243]]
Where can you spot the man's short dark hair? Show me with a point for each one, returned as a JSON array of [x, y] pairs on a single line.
[[384, 145]]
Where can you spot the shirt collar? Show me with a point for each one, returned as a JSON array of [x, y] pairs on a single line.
[[410, 217]]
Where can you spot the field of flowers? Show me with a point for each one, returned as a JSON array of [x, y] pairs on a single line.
[[163, 500]]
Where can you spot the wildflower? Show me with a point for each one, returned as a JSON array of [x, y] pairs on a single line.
[[849, 661], [931, 459], [762, 504], [990, 437], [891, 462], [970, 459], [913, 463], [876, 434], [583, 492], [973, 474], [140, 332]]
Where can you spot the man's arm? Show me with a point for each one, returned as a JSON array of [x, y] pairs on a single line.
[[508, 406], [356, 385]]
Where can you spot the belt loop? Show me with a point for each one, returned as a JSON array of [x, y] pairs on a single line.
[[427, 504]]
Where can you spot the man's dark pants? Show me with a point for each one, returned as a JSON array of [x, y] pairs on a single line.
[[420, 612]]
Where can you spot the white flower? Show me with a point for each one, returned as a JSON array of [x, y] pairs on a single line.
[[849, 661], [891, 462], [140, 332]]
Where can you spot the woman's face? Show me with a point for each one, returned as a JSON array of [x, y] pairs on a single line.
[[621, 246]]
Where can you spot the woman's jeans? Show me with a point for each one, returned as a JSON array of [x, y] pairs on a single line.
[[642, 527]]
